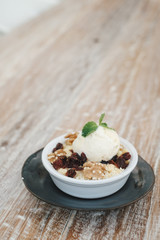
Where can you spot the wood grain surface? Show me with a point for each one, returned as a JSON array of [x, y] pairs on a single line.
[[67, 66]]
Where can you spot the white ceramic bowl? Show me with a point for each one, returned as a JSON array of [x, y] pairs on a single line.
[[89, 188]]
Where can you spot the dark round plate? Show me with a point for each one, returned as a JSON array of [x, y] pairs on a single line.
[[39, 183]]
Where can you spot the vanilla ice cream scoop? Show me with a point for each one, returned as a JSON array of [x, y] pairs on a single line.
[[100, 145]]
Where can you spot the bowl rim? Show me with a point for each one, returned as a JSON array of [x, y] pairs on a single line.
[[73, 181]]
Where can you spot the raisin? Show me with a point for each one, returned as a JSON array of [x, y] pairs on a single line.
[[83, 158], [113, 162], [64, 159], [121, 160], [104, 162], [58, 164], [114, 158], [76, 156], [75, 161], [58, 146], [109, 162], [71, 173], [126, 155], [121, 163]]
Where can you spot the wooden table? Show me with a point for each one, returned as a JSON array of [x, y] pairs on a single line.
[[64, 68]]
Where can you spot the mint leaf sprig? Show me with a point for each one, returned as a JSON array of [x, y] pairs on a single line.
[[92, 126], [89, 128], [101, 118]]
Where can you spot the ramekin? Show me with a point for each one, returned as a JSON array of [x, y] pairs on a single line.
[[89, 189]]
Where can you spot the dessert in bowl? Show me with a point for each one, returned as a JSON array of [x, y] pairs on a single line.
[[93, 163]]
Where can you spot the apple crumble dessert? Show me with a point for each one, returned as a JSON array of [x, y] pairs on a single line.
[[93, 154]]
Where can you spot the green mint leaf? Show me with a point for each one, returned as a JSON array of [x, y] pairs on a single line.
[[111, 128], [89, 128], [103, 125], [106, 126], [101, 118]]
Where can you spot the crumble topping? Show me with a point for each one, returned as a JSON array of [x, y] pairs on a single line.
[[54, 156], [71, 164], [70, 138], [94, 170]]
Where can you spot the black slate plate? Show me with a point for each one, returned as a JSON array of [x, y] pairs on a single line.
[[39, 183]]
